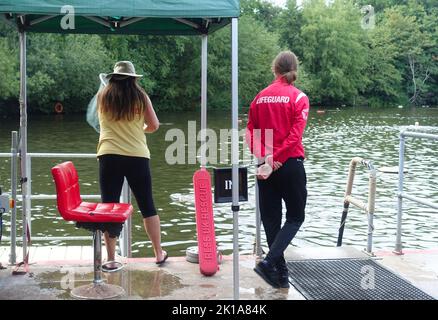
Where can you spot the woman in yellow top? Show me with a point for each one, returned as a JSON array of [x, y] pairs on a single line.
[[125, 114]]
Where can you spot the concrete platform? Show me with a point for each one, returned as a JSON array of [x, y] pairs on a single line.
[[420, 267], [54, 271], [141, 278]]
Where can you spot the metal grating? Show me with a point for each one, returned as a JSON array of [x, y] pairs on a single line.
[[350, 279]]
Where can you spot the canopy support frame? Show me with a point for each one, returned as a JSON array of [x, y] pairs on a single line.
[[23, 138], [41, 19], [204, 66], [235, 153]]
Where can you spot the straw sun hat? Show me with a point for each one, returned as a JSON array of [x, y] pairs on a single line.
[[123, 68]]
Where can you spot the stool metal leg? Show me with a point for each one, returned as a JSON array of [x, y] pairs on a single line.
[[98, 289], [97, 243]]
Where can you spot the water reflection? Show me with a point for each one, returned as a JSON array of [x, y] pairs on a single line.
[[332, 140], [138, 284]]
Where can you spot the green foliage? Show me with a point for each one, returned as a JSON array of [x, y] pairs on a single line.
[[403, 51], [64, 68], [9, 69], [289, 28], [394, 62], [257, 49], [333, 50], [263, 11]]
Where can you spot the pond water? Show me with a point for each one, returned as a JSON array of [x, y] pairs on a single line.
[[331, 140]]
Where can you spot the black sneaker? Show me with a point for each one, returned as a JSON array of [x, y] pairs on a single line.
[[268, 272], [283, 274]]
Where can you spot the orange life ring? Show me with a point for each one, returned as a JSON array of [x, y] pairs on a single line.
[[59, 108]]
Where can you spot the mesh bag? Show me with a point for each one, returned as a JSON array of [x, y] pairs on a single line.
[[92, 115]]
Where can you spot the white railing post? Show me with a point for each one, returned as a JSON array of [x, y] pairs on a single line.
[[401, 163], [29, 193], [400, 195]]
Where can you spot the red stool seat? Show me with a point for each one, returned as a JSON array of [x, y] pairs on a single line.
[[72, 208], [100, 212]]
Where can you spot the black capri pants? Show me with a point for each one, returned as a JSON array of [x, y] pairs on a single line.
[[113, 169]]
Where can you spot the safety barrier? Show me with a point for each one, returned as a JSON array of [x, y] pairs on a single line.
[[369, 208], [401, 194], [125, 237]]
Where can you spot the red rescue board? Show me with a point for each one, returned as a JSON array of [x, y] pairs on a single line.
[[208, 264]]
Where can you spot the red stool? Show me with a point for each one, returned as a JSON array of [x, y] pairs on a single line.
[[72, 208]]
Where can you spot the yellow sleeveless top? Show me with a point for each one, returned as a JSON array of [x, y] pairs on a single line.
[[122, 137]]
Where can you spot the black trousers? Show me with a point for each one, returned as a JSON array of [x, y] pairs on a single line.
[[289, 184], [112, 171]]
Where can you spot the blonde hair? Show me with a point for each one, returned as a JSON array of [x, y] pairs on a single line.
[[285, 65]]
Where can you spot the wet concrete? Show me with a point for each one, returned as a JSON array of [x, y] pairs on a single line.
[[420, 267], [142, 279], [178, 279], [138, 284]]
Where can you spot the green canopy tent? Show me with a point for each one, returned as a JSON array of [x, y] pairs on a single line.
[[140, 17]]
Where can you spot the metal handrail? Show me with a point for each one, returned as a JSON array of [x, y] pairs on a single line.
[[400, 195], [125, 238], [369, 208]]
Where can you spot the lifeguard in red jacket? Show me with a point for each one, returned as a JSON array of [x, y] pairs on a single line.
[[276, 122]]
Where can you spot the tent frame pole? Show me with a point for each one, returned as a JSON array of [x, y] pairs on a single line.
[[235, 154], [23, 139], [204, 54]]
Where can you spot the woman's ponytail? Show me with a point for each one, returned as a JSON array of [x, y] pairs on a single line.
[[286, 65]]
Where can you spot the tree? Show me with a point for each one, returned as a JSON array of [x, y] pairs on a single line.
[[403, 51], [333, 50], [64, 68], [410, 45], [9, 71], [257, 48], [290, 22], [384, 79], [262, 11], [394, 61]]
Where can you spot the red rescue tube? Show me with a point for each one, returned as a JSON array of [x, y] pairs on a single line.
[[208, 264]]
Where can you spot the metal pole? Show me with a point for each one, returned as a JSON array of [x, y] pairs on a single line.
[[23, 137], [398, 243], [29, 192], [258, 239], [204, 54], [97, 243], [420, 201], [235, 153], [125, 240], [14, 146]]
